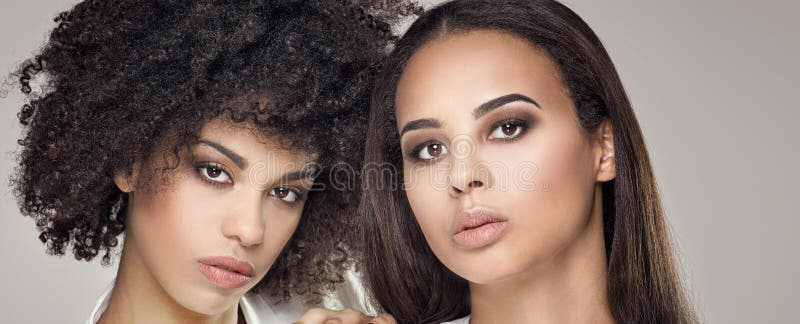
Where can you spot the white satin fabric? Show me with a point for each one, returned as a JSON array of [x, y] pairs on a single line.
[[259, 309], [463, 320]]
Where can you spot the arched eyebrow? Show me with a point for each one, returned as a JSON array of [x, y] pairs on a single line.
[[498, 102], [236, 158], [420, 124], [479, 112], [306, 173]]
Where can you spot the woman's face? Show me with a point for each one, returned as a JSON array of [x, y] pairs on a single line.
[[208, 231], [498, 172]]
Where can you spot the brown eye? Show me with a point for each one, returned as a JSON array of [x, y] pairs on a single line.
[[285, 194], [432, 151], [281, 192], [507, 130], [213, 174]]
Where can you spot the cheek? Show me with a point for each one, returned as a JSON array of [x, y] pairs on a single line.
[[427, 194], [168, 230], [172, 225], [279, 225], [555, 206], [565, 172]]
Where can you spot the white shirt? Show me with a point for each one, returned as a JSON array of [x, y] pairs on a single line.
[[254, 307], [257, 309], [463, 320]]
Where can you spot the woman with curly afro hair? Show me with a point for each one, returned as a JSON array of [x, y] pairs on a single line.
[[208, 134]]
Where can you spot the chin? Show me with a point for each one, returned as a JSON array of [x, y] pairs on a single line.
[[478, 267], [208, 302], [494, 264], [481, 275]]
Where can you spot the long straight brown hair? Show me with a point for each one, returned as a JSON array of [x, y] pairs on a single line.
[[401, 271]]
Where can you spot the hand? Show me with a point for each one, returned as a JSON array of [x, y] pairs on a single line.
[[348, 316]]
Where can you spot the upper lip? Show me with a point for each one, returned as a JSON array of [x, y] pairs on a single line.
[[229, 263], [476, 217]]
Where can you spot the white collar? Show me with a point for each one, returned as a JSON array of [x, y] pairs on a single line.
[[101, 305], [463, 320], [254, 307]]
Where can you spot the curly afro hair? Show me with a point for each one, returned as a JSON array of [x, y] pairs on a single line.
[[117, 76]]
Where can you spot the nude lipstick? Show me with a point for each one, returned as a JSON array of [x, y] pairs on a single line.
[[478, 227], [226, 272]]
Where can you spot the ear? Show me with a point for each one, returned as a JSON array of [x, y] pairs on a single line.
[[604, 140], [126, 179]]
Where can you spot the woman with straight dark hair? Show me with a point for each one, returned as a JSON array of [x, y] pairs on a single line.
[[527, 191]]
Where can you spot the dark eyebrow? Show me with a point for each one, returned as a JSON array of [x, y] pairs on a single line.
[[299, 175], [498, 102], [483, 109], [236, 158], [420, 124]]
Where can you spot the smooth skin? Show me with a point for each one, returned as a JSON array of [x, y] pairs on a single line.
[[234, 194], [493, 127]]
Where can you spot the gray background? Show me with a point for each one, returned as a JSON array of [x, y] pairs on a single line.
[[713, 84]]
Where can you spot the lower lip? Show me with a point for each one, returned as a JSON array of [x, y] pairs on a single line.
[[480, 236], [224, 278]]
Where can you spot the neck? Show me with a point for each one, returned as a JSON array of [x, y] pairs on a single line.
[[571, 287], [138, 298]]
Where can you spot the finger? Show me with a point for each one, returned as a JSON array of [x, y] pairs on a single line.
[[318, 315], [349, 316], [314, 315], [383, 318]]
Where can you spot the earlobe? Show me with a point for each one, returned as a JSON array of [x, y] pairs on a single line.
[[124, 179], [607, 169]]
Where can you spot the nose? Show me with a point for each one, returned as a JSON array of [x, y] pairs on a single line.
[[467, 175], [245, 224], [458, 189]]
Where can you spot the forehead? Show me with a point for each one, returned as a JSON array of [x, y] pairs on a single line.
[[249, 142], [467, 69]]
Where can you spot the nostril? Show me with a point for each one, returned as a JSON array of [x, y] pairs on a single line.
[[472, 184]]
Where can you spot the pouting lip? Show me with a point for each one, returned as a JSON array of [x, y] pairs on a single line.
[[475, 217], [229, 263]]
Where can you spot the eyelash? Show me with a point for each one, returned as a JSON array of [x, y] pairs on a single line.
[[523, 124], [199, 167], [414, 154], [299, 193]]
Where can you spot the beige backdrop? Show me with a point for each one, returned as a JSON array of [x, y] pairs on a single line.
[[713, 84]]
